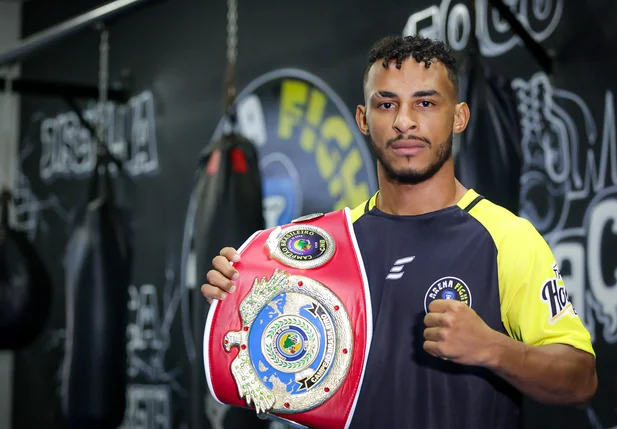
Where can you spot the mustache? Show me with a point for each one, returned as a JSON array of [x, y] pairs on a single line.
[[409, 137]]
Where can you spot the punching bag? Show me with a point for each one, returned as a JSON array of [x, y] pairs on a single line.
[[228, 210], [97, 271], [489, 157], [25, 286]]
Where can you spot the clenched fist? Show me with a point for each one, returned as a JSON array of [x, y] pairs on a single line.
[[455, 332]]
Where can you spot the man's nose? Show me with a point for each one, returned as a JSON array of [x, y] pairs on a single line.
[[405, 120]]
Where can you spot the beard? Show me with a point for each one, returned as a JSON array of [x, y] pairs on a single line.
[[411, 176]]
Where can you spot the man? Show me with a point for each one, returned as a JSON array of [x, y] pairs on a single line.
[[480, 315]]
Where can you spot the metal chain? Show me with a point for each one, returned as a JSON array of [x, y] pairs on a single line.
[[8, 83], [232, 53], [232, 31], [7, 132], [103, 81]]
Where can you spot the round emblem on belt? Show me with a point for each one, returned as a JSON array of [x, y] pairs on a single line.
[[290, 343], [296, 344], [301, 246]]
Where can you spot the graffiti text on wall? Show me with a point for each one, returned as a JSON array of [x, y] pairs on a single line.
[[148, 407], [451, 22], [151, 314], [569, 192], [69, 151]]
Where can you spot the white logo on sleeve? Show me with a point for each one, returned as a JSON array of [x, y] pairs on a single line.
[[554, 293], [396, 272]]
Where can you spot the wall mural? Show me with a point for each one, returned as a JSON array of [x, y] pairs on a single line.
[[64, 151]]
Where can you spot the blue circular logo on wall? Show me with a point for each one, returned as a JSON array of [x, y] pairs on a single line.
[[312, 156]]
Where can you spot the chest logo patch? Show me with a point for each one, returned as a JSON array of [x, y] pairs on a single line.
[[448, 288]]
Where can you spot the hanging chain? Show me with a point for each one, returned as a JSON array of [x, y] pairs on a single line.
[[232, 51], [8, 82], [7, 132], [232, 31], [103, 81]]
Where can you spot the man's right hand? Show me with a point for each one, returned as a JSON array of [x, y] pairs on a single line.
[[223, 275]]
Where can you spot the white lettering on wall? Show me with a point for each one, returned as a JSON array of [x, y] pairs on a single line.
[[603, 216], [148, 333], [450, 21], [581, 252], [151, 313], [69, 151], [27, 208], [148, 407], [568, 166]]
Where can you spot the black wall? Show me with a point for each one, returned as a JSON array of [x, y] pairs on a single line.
[[175, 53]]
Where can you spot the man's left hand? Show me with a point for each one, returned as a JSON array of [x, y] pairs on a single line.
[[455, 332]]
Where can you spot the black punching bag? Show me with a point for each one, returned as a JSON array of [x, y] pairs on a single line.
[[489, 156], [98, 271], [25, 286], [227, 211]]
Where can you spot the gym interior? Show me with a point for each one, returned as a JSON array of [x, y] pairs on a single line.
[[139, 137]]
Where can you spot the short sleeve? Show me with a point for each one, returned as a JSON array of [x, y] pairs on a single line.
[[535, 306]]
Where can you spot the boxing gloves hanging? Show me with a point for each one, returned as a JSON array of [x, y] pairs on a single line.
[[25, 286], [98, 271]]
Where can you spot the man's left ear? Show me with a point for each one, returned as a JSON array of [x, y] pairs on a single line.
[[461, 118], [361, 120]]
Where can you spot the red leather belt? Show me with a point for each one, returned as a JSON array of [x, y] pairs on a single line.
[[292, 341]]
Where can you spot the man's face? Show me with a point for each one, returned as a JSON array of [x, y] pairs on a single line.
[[410, 116]]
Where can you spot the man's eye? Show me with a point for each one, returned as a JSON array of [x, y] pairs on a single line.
[[426, 103], [386, 105]]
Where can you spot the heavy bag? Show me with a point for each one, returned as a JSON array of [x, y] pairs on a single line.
[[489, 157], [228, 210], [98, 271], [25, 286]]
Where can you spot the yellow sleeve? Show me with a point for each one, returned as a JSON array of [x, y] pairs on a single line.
[[535, 307]]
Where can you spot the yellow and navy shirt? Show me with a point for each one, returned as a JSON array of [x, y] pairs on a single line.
[[476, 252]]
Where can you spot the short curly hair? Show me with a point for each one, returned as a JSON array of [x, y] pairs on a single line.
[[399, 48]]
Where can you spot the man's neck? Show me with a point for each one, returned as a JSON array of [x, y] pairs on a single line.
[[440, 191]]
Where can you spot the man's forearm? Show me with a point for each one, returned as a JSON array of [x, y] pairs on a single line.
[[553, 373]]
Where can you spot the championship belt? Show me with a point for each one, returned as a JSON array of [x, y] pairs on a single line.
[[292, 341]]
